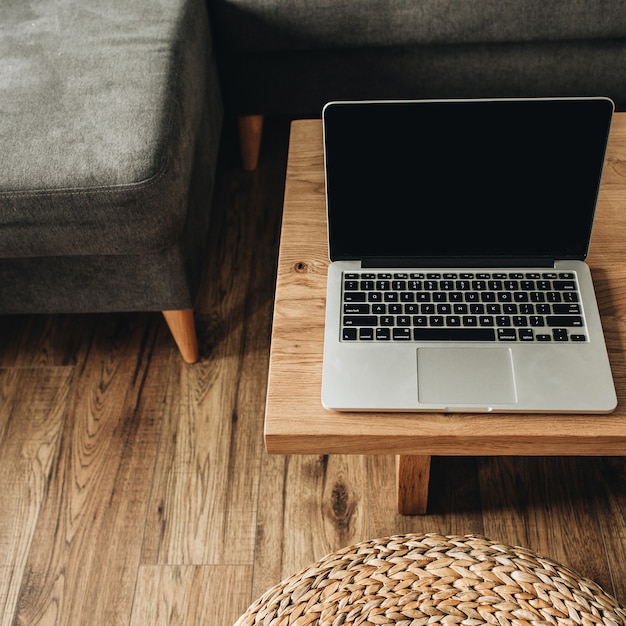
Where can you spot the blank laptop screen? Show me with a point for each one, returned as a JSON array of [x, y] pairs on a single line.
[[451, 179]]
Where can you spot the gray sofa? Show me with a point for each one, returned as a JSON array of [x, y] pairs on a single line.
[[110, 121], [292, 56]]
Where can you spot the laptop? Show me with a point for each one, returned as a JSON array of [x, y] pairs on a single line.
[[457, 236]]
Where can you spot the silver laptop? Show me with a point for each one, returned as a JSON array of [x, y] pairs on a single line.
[[457, 233]]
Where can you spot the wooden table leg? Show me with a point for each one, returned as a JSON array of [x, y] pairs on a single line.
[[412, 477]]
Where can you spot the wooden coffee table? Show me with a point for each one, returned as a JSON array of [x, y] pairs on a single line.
[[296, 422]]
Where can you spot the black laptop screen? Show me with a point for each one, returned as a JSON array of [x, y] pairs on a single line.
[[499, 179]]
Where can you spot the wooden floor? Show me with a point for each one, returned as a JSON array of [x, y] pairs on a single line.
[[135, 490]]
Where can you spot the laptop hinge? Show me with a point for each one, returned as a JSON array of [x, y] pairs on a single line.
[[459, 262]]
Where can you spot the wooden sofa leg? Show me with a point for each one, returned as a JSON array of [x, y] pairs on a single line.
[[183, 329], [250, 132]]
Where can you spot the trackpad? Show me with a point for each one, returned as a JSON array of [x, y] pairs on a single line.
[[465, 376]]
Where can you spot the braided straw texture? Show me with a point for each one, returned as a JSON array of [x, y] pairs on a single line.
[[418, 580]]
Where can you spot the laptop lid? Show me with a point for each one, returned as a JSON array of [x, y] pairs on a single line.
[[463, 182]]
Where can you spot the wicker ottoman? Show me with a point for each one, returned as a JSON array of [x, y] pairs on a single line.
[[415, 580]]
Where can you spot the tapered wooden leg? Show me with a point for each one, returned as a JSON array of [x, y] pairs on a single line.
[[250, 133], [183, 329], [412, 477]]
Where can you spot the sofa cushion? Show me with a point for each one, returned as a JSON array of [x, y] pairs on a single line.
[[273, 25], [99, 105]]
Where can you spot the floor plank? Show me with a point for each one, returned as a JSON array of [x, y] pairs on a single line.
[[188, 595], [607, 490], [454, 506], [309, 506], [85, 552], [547, 505], [45, 340], [30, 429]]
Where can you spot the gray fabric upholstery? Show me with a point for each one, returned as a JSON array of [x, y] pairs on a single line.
[[272, 25], [111, 114], [300, 83], [292, 56]]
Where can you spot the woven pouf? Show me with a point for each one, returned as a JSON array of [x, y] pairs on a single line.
[[417, 580]]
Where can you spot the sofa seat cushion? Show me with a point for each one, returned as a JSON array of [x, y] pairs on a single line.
[[99, 105], [274, 25]]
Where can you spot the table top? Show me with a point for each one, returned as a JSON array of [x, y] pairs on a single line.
[[297, 423]]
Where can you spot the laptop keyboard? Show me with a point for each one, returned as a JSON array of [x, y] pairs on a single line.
[[470, 306]]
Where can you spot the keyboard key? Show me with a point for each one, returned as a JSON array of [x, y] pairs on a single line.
[[402, 334], [578, 337], [564, 320], [453, 334], [564, 285], [349, 334], [525, 334], [356, 296], [356, 309], [383, 334], [559, 334], [566, 309], [360, 320], [507, 334], [366, 334]]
